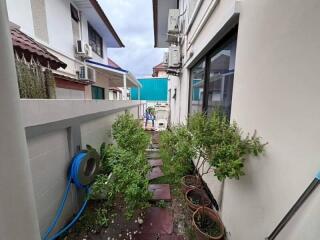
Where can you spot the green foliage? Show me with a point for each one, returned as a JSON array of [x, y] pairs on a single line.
[[33, 81], [177, 151], [93, 220], [222, 145], [129, 134], [124, 166], [161, 204], [129, 179]]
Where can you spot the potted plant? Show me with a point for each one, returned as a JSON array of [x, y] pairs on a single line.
[[207, 224], [196, 198]]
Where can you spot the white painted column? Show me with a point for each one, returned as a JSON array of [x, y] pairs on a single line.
[[18, 217], [138, 93], [124, 92]]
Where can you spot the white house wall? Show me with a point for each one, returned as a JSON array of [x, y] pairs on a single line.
[[60, 26], [276, 92], [20, 13]]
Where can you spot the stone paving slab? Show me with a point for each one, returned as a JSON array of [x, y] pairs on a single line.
[[156, 172], [157, 221], [160, 191], [155, 162]]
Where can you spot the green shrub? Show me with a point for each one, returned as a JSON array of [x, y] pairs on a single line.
[[129, 134], [222, 145], [129, 179], [124, 166], [177, 152]]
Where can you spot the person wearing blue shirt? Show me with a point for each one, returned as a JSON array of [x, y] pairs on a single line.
[[149, 116]]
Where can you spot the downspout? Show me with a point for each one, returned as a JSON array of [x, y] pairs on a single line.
[[18, 216]]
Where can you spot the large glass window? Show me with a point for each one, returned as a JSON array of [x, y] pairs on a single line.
[[221, 74], [197, 86], [211, 89], [95, 41]]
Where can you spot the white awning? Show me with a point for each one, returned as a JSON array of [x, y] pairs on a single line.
[[115, 75]]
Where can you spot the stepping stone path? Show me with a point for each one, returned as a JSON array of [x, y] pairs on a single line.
[[158, 222], [155, 162], [160, 192], [156, 172]]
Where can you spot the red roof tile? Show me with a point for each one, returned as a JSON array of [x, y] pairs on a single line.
[[27, 46]]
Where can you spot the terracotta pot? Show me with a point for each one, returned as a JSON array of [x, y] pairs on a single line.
[[200, 195], [190, 182], [211, 214]]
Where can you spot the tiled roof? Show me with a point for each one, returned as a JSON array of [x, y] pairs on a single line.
[[160, 66], [27, 46]]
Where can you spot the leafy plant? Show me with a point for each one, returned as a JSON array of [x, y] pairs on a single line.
[[126, 162], [33, 81], [177, 151], [221, 144], [129, 180], [129, 134]]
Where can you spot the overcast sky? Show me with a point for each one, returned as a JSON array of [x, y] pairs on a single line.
[[133, 21]]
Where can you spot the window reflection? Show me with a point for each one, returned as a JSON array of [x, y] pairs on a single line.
[[197, 85], [221, 79]]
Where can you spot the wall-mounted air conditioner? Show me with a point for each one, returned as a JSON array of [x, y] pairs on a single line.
[[173, 21], [174, 59], [83, 50], [87, 73], [173, 25]]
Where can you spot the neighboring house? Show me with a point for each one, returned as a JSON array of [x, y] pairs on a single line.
[[79, 34], [258, 61], [160, 70], [154, 90]]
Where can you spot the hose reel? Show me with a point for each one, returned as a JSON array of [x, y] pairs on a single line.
[[84, 168]]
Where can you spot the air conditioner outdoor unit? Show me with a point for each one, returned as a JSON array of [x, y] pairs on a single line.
[[174, 58], [83, 49], [173, 21], [87, 73], [173, 25]]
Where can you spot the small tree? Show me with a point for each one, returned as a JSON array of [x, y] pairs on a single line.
[[221, 146]]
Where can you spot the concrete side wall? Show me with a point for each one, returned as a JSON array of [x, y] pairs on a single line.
[[49, 150], [49, 159]]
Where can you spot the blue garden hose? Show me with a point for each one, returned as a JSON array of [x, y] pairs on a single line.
[[79, 162]]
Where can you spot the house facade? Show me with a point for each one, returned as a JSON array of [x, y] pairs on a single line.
[[257, 61], [79, 34]]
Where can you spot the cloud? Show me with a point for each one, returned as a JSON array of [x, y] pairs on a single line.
[[133, 21]]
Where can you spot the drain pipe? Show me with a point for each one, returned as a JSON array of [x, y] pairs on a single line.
[[309, 190], [18, 218]]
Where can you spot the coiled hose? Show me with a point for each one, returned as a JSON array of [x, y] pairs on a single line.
[[82, 172]]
